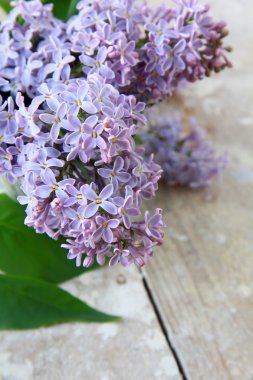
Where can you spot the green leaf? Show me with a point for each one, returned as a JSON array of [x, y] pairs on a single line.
[[26, 253], [138, 140], [72, 8], [63, 9], [60, 8], [28, 303], [5, 4]]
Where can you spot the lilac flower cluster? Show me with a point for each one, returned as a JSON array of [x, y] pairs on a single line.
[[144, 52], [185, 155], [80, 172], [79, 87], [140, 52], [31, 47]]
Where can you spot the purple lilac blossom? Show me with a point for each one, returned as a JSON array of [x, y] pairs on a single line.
[[142, 52], [150, 52], [29, 37], [185, 155], [71, 146], [74, 183]]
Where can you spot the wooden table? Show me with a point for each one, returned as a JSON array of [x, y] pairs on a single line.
[[189, 313]]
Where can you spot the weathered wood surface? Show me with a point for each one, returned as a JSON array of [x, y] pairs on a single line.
[[202, 279], [134, 348]]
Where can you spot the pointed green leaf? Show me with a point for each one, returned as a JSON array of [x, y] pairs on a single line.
[[60, 8], [27, 303], [5, 4], [72, 8], [63, 9], [25, 253]]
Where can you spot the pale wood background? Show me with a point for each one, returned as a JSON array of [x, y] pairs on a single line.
[[189, 314], [202, 278]]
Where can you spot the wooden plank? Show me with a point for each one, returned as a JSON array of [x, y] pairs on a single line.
[[202, 279]]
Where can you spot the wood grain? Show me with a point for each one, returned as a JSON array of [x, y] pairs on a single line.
[[202, 279], [133, 348]]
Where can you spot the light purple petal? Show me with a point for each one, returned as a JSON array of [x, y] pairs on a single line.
[[98, 234], [48, 177], [128, 201], [105, 173], [133, 212], [47, 118], [101, 259], [82, 91], [91, 120], [89, 143], [89, 193], [88, 107], [88, 61], [118, 164], [118, 201], [109, 207], [179, 63], [100, 142], [75, 123], [108, 73], [126, 221], [73, 138], [107, 111], [91, 209], [155, 219], [113, 223], [44, 191], [102, 54], [55, 162], [124, 261], [106, 192], [123, 177], [62, 110], [107, 235], [68, 97], [37, 101], [180, 46], [55, 130], [23, 200], [114, 261], [52, 103]]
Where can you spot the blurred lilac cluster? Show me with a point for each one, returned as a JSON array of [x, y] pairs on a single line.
[[185, 155], [77, 92]]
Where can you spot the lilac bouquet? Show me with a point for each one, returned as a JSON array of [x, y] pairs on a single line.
[[73, 96]]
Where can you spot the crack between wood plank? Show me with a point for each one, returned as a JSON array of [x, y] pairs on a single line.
[[163, 328]]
